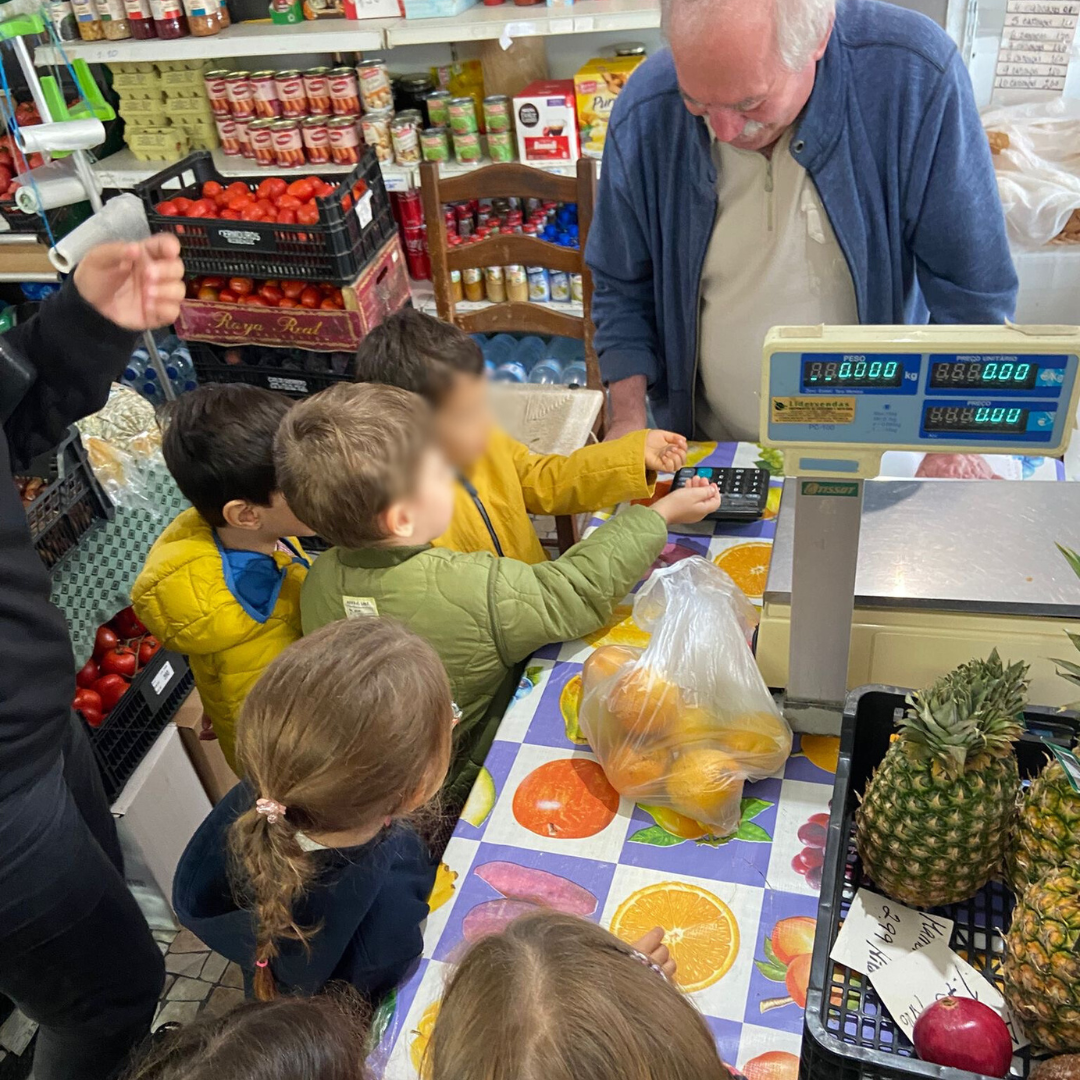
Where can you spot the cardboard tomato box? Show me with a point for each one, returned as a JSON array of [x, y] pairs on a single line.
[[547, 121], [381, 289]]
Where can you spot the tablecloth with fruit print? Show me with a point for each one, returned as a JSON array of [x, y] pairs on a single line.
[[739, 913]]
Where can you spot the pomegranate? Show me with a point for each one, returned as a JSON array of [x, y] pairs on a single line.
[[963, 1034]]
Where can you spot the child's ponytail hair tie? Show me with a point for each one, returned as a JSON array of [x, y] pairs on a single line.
[[262, 963], [271, 808]]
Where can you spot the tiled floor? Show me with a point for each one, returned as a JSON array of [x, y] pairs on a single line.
[[197, 981]]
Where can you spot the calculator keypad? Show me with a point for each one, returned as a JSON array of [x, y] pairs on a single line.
[[744, 491]]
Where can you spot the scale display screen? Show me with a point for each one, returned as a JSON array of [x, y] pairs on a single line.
[[853, 371], [1007, 373], [952, 419]]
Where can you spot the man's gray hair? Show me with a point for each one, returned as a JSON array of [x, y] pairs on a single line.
[[801, 25]]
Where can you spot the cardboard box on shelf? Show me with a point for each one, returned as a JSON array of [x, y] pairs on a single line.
[[206, 757], [547, 122], [596, 86]]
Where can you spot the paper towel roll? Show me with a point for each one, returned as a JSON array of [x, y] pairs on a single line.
[[65, 135], [121, 218]]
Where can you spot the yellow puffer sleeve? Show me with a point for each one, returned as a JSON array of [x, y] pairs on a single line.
[[591, 478]]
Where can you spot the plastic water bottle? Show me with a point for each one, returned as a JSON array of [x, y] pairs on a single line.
[[575, 374], [152, 392], [530, 350], [548, 372], [136, 367], [489, 369], [501, 349], [481, 340], [511, 371], [566, 349]]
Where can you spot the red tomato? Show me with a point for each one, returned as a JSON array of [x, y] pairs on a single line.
[[323, 189], [227, 296], [168, 208], [311, 297], [241, 285], [308, 214], [104, 641], [193, 287], [119, 661], [239, 201], [201, 209], [111, 688], [94, 717], [256, 300], [267, 207], [87, 675], [181, 204], [289, 202], [346, 202], [252, 213], [238, 188], [328, 305], [302, 189], [272, 294], [86, 698], [211, 188], [214, 281], [286, 217], [230, 215], [286, 302], [147, 647], [208, 292], [335, 294], [127, 624], [271, 188], [292, 289], [221, 199]]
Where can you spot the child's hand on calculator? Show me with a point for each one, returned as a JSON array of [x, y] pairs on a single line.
[[664, 451], [689, 503]]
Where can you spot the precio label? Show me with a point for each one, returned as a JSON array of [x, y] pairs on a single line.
[[813, 410]]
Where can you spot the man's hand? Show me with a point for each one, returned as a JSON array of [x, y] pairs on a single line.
[[627, 403], [137, 286], [690, 503], [652, 945], [664, 451]]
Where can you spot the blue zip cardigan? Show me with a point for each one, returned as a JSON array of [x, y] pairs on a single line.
[[893, 142]]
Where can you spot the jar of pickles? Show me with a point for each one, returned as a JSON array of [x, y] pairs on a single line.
[[500, 146], [316, 139], [344, 140], [261, 136], [140, 19], [435, 144], [405, 135], [169, 20], [114, 22], [467, 147], [288, 146], [437, 104], [87, 21], [203, 17]]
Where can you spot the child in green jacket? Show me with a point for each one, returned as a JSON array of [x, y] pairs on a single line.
[[359, 463]]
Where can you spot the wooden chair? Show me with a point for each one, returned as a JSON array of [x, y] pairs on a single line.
[[505, 181]]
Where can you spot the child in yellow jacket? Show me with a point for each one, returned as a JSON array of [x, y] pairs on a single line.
[[220, 584], [500, 481]]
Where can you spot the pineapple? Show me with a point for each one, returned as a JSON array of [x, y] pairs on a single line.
[[1047, 833], [936, 814], [1041, 968]]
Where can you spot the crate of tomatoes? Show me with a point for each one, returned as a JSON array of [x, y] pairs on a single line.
[[307, 228], [126, 693]]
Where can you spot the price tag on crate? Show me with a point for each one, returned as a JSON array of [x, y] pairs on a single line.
[[164, 672], [363, 209]]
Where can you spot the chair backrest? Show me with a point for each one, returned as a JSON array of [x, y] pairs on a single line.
[[505, 181]]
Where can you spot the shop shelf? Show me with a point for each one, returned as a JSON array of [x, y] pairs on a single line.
[[848, 1034]]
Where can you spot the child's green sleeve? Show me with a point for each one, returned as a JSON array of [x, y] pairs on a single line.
[[531, 606]]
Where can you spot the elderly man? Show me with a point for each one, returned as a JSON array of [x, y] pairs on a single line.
[[785, 162]]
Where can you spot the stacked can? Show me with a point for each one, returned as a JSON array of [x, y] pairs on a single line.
[[409, 212]]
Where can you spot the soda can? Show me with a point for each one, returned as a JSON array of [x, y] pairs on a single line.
[[375, 92], [316, 139], [267, 106], [288, 146], [416, 256], [230, 140], [410, 208], [344, 141], [344, 92], [241, 94], [261, 138], [290, 92], [217, 92], [317, 89]]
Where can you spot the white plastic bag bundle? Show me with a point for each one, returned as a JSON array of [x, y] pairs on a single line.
[[685, 721], [1037, 162]]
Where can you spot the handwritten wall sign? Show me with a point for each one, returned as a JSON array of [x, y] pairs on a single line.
[[914, 982], [1036, 45], [879, 931]]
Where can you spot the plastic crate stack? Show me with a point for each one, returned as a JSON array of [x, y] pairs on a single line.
[[165, 109]]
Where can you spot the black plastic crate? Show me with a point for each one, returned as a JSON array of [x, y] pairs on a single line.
[[127, 733], [295, 372], [848, 1034], [349, 233], [72, 504]]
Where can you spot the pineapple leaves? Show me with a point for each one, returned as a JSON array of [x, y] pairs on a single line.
[[1072, 557]]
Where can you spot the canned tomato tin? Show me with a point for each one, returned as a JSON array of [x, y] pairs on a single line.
[[410, 208], [230, 141], [241, 94], [435, 144], [288, 146], [497, 113], [467, 147], [290, 92], [344, 92], [438, 107], [500, 146], [344, 142], [265, 95], [376, 129], [375, 92], [243, 136], [462, 111], [261, 138], [317, 89], [316, 139], [217, 92], [405, 134]]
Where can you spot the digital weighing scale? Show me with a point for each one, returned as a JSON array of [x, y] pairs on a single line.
[[941, 568]]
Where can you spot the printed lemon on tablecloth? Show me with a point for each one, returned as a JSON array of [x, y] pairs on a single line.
[[569, 705], [699, 929], [620, 630]]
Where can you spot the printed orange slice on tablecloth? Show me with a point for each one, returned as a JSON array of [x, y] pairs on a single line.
[[748, 566], [699, 929]]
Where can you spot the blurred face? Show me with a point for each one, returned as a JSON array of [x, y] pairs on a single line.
[[426, 513], [463, 421], [730, 70], [279, 520]]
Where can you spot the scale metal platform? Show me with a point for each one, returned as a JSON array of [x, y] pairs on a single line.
[[833, 400]]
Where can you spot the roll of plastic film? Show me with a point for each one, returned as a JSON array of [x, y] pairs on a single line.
[[121, 218], [65, 135], [49, 192]]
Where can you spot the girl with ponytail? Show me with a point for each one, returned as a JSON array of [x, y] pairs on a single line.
[[309, 871]]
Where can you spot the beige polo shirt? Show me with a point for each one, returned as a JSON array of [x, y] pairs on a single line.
[[773, 260]]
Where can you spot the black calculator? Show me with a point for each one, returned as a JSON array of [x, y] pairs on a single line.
[[744, 492]]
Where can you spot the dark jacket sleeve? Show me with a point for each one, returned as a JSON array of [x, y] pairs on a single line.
[[77, 353], [961, 250]]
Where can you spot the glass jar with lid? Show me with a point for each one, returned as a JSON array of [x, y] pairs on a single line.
[[410, 90], [202, 17], [114, 21]]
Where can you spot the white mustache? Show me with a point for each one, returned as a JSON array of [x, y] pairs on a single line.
[[752, 128]]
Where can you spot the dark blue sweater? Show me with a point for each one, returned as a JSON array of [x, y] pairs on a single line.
[[370, 901], [893, 142]]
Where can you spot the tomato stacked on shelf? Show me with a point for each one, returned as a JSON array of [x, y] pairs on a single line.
[[122, 648], [272, 293], [273, 200]]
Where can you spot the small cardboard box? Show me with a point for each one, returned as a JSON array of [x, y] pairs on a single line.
[[547, 122], [206, 757], [381, 289], [596, 86]]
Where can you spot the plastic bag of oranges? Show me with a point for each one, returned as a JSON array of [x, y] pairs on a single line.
[[685, 721]]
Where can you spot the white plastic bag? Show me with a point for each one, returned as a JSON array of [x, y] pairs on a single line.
[[685, 721]]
